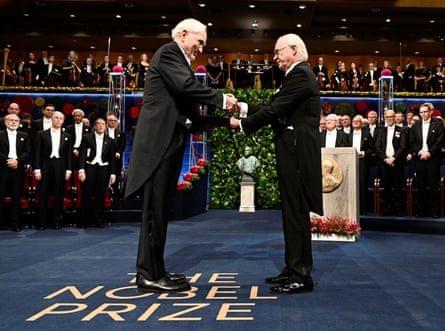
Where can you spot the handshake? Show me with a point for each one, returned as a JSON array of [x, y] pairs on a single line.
[[232, 106]]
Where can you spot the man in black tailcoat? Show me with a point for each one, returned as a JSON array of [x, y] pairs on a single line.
[[96, 169], [294, 113], [171, 103], [52, 167], [15, 149], [391, 149], [361, 140], [426, 141], [77, 130]]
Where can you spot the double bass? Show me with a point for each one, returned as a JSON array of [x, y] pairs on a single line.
[[8, 77]]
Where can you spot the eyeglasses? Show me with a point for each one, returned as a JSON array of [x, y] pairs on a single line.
[[278, 50]]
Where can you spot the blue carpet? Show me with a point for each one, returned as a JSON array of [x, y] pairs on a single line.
[[76, 279]]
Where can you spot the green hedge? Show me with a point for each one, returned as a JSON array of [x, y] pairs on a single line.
[[227, 146]]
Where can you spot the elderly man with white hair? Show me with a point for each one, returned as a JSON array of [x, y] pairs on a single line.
[[332, 137], [77, 130]]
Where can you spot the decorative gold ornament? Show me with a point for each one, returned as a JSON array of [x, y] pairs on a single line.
[[332, 175]]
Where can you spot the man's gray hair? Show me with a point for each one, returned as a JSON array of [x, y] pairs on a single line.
[[78, 110], [189, 24], [293, 39]]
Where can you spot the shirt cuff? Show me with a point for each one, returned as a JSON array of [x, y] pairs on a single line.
[[241, 126], [244, 110]]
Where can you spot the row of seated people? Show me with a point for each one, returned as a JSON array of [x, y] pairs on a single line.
[[84, 162], [398, 154]]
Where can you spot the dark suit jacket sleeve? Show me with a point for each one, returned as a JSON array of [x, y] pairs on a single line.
[[23, 148], [67, 150], [113, 165], [436, 136], [178, 76], [83, 151], [38, 150], [121, 143], [380, 144], [292, 93]]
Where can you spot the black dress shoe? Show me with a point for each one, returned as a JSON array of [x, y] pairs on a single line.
[[161, 285], [174, 277], [280, 279], [292, 288], [16, 228], [435, 215]]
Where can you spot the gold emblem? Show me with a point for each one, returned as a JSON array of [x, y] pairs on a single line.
[[332, 175]]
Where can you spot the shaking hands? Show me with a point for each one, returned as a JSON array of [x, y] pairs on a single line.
[[232, 107], [231, 103]]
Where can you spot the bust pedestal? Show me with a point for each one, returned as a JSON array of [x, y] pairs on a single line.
[[247, 197]]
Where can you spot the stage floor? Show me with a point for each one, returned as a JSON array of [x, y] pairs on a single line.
[[83, 279]]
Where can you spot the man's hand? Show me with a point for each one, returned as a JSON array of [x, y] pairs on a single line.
[[12, 163], [424, 155], [38, 176], [234, 123], [231, 103], [82, 176]]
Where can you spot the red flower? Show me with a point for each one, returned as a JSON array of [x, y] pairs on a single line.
[[191, 177], [184, 185], [68, 109], [361, 106], [335, 224], [25, 102], [133, 112]]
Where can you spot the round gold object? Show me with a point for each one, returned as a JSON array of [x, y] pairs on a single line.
[[332, 175]]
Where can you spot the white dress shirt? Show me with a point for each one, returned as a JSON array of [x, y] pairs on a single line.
[[111, 133], [357, 139], [55, 143], [78, 129], [389, 136], [331, 138], [12, 138], [99, 147], [425, 128], [372, 130]]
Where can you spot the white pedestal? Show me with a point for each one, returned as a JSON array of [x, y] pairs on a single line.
[[343, 201], [247, 197]]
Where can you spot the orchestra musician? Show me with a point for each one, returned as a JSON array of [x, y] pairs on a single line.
[[71, 69]]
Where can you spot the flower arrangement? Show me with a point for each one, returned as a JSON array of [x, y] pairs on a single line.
[[203, 162], [191, 176], [184, 185], [342, 226], [198, 169]]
